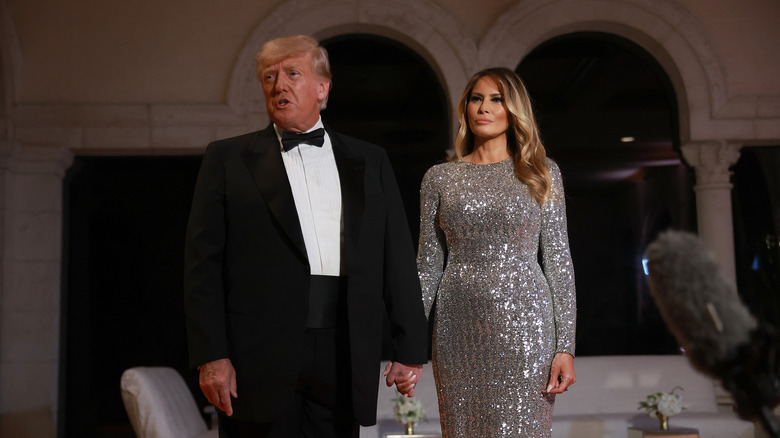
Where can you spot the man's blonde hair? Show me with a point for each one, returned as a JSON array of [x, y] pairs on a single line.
[[286, 47]]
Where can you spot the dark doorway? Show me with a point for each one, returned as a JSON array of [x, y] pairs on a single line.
[[125, 221], [386, 94], [592, 91], [756, 198]]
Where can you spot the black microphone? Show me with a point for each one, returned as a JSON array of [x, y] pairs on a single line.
[[720, 336]]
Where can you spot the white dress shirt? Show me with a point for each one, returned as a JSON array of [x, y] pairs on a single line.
[[314, 180]]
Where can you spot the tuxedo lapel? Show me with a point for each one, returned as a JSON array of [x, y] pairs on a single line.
[[351, 168], [264, 162]]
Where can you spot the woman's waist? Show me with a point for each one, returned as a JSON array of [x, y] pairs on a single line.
[[491, 255]]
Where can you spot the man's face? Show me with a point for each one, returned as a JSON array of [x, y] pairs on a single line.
[[293, 93]]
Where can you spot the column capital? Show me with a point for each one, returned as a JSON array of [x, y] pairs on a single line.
[[712, 160]]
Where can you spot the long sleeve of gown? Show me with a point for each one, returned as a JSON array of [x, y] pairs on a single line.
[[432, 252], [557, 263]]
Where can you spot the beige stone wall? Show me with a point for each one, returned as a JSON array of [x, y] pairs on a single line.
[[168, 76], [149, 51]]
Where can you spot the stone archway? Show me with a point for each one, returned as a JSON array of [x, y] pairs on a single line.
[[663, 28], [708, 119], [420, 25]]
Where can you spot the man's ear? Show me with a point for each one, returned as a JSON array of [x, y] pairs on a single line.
[[323, 88]]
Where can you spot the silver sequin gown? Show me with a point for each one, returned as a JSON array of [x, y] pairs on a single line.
[[500, 316]]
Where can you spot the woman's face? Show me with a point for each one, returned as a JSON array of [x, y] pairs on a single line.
[[486, 113]]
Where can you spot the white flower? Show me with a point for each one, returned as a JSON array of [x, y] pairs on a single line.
[[670, 404], [665, 404], [408, 409]]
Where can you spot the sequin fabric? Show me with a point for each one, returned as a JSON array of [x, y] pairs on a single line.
[[500, 316]]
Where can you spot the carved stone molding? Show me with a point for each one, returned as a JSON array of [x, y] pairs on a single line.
[[712, 160]]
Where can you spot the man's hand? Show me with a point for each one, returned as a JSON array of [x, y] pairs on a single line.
[[404, 376], [561, 374], [218, 383]]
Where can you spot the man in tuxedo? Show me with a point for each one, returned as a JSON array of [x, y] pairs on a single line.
[[297, 246]]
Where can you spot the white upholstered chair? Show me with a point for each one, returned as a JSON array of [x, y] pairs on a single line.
[[160, 405]]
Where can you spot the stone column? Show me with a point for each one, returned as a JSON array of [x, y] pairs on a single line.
[[30, 286], [712, 160]]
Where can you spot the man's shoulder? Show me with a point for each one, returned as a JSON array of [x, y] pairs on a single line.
[[354, 144], [351, 141], [241, 139]]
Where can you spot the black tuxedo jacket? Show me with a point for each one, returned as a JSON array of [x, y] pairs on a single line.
[[247, 273]]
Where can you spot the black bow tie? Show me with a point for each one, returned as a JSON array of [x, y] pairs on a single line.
[[292, 139]]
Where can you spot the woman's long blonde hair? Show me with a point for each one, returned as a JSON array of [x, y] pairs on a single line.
[[523, 141]]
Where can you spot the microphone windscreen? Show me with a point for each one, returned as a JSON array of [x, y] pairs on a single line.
[[701, 309]]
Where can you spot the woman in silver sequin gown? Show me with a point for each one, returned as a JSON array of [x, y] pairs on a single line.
[[504, 325]]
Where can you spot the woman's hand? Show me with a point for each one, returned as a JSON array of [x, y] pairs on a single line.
[[562, 373], [404, 376]]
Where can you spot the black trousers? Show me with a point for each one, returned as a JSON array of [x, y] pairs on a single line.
[[322, 407]]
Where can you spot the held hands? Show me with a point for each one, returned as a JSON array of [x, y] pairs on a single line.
[[561, 374], [405, 377], [218, 383]]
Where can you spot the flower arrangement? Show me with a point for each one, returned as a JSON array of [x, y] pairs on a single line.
[[663, 405], [408, 411]]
